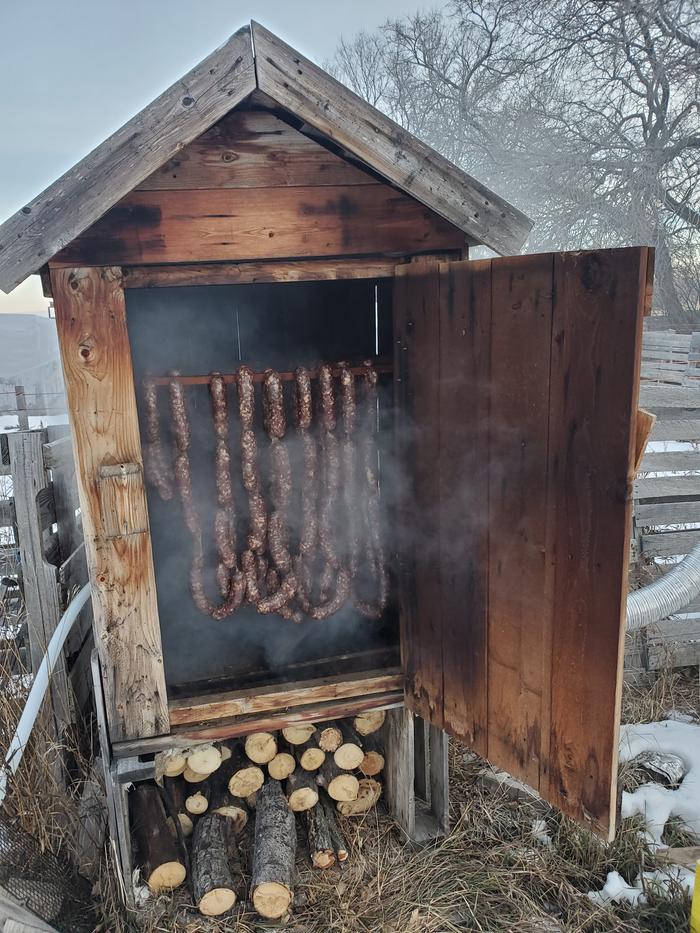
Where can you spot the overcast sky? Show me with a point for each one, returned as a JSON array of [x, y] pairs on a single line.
[[73, 71]]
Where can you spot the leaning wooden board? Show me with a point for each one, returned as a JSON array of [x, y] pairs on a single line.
[[530, 633]]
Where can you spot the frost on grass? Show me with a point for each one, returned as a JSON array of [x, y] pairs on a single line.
[[655, 803]]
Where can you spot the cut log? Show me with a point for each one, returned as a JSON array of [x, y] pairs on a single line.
[[212, 882], [196, 804], [158, 855], [318, 834], [220, 799], [205, 759], [225, 752], [330, 738], [246, 778], [186, 825], [297, 735], [302, 792], [341, 785], [373, 762], [193, 777], [367, 796], [281, 766], [272, 874], [339, 844], [349, 754], [261, 747], [309, 755], [174, 763], [252, 800], [368, 722]]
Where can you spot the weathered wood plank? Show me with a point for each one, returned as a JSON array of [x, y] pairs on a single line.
[[85, 192], [676, 431], [259, 223], [666, 487], [269, 699], [464, 379], [254, 149], [599, 304], [312, 94], [91, 321], [668, 543], [399, 768], [239, 273], [657, 398], [417, 398], [520, 614], [672, 460], [643, 425], [666, 513]]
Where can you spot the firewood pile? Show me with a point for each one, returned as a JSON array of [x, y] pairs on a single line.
[[303, 539], [225, 818]]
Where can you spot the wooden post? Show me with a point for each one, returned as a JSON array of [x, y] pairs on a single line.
[[29, 478], [22, 415], [96, 357]]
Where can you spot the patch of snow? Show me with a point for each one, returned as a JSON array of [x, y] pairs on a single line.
[[660, 883], [540, 834], [657, 804]]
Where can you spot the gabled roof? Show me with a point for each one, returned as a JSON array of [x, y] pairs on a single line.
[[252, 59]]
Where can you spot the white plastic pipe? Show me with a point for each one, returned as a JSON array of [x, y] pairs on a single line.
[[15, 750]]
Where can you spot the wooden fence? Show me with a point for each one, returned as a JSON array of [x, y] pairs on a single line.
[[667, 489], [42, 559]]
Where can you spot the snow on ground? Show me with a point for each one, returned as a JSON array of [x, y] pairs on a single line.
[[658, 883], [655, 803]]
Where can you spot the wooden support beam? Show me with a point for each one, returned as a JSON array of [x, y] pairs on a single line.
[[96, 356]]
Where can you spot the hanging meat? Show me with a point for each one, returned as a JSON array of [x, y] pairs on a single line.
[[253, 556], [156, 464], [183, 479]]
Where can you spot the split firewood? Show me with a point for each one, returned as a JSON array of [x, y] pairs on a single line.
[[281, 766], [319, 838], [261, 747], [367, 797], [369, 721], [246, 778], [298, 734], [196, 804], [330, 738], [176, 792], [338, 840], [302, 792], [212, 881], [373, 762], [272, 875], [349, 755], [309, 755], [204, 759], [218, 794], [341, 785], [158, 854]]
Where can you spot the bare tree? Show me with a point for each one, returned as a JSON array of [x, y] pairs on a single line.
[[584, 113]]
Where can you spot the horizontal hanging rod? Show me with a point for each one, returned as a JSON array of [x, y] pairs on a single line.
[[379, 366]]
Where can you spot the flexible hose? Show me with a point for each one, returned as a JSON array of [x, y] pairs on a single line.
[[670, 593], [15, 749]]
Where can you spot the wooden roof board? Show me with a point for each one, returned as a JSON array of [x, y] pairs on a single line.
[[191, 106]]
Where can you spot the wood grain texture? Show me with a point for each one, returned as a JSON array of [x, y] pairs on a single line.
[[270, 699], [85, 192], [313, 95], [259, 223], [399, 768], [417, 397], [596, 349], [464, 378], [254, 149], [519, 583], [91, 322], [240, 273]]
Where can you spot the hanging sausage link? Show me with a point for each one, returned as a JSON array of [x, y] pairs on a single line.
[[155, 461], [253, 557]]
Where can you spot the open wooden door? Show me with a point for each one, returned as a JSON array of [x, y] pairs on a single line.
[[516, 389]]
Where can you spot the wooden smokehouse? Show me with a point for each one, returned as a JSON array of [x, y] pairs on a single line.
[[258, 214]]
